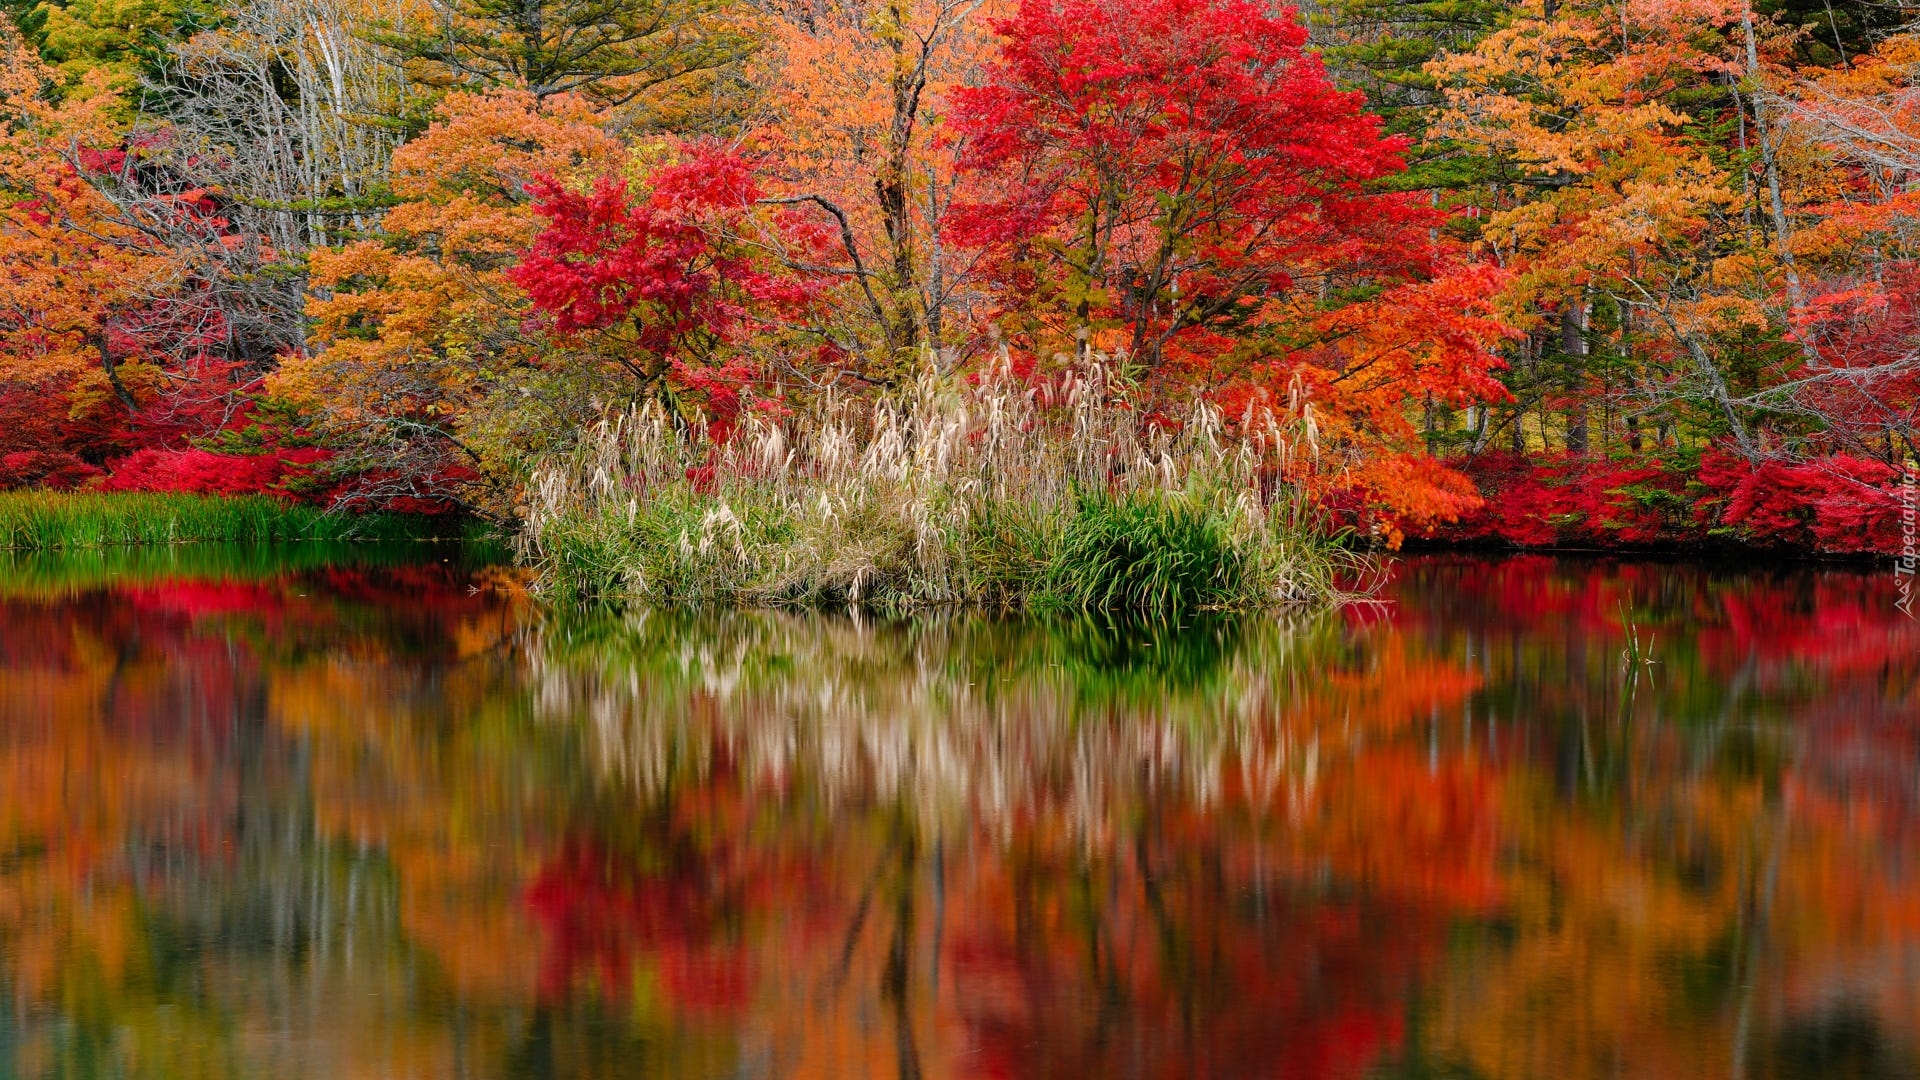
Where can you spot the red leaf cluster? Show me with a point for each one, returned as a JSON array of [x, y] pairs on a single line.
[[208, 473], [1839, 504], [668, 271]]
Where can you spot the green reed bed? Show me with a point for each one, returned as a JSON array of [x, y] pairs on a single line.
[[961, 495], [57, 521]]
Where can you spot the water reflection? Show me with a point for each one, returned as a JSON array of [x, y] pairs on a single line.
[[388, 819]]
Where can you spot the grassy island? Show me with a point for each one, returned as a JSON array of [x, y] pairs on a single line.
[[959, 495]]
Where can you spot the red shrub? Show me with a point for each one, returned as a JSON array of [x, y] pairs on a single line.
[[1836, 505], [55, 469], [1563, 501], [1840, 504], [207, 473]]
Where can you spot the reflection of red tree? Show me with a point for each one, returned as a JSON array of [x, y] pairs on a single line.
[[1237, 939], [129, 710], [690, 903], [164, 651], [1833, 621], [1842, 623], [1175, 962], [1825, 648], [601, 912], [204, 598]]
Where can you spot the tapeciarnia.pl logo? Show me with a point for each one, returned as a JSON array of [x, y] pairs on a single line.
[[1903, 570]]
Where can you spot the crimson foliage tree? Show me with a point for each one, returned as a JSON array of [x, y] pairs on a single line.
[[671, 282], [1146, 169]]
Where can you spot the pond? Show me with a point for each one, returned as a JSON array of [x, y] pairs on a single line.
[[370, 812]]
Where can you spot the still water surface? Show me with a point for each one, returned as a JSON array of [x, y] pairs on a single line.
[[371, 814]]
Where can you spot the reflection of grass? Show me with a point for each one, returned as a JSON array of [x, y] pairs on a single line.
[[1140, 659], [966, 716], [1098, 660], [52, 574], [40, 520]]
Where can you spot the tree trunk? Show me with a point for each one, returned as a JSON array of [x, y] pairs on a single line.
[[891, 186], [936, 275], [1518, 437], [1770, 160], [112, 369], [1573, 343]]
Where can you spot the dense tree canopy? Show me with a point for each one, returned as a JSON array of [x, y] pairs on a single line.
[[1642, 271]]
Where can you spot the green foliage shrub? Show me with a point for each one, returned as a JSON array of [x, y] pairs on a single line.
[[1148, 552]]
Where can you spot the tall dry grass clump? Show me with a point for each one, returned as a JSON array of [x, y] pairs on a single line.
[[974, 493]]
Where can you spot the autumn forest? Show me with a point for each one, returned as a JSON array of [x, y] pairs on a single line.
[[1366, 540], [1626, 274]]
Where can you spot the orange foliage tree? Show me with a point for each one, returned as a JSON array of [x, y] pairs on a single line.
[[423, 356], [854, 131], [91, 326]]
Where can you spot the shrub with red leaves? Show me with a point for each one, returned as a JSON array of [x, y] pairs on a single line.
[[206, 473], [1839, 504], [56, 470]]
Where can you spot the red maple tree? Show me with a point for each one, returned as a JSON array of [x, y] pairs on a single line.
[[1147, 171]]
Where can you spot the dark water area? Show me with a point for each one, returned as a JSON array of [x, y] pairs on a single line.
[[377, 815]]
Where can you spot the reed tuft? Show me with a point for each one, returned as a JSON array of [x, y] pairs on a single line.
[[986, 493]]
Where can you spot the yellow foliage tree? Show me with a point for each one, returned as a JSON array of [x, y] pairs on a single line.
[[1603, 194]]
